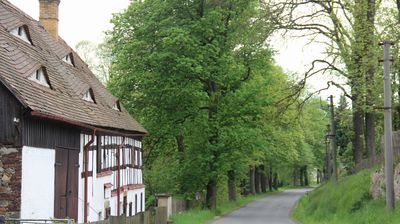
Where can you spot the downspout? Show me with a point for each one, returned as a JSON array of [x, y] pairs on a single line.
[[86, 169], [119, 177]]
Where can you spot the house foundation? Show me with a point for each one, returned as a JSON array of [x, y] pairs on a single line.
[[10, 181]]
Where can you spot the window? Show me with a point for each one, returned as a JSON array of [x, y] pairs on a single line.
[[22, 33], [136, 204], [125, 205], [116, 106], [141, 202], [40, 76], [107, 151], [69, 59], [89, 96]]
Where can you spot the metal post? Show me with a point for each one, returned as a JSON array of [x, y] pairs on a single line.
[[333, 141], [388, 126]]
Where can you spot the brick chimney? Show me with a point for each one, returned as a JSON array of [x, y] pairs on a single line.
[[49, 16]]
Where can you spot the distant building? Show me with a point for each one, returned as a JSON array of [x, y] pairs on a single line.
[[61, 131]]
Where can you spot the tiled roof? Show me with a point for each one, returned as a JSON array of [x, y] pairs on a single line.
[[19, 60]]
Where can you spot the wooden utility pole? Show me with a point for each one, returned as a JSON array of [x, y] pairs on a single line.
[[333, 141], [388, 126], [327, 156]]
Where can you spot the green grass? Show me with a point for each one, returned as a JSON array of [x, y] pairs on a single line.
[[202, 216], [349, 202]]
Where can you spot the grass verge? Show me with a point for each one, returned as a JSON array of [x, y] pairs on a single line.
[[202, 216], [349, 202]]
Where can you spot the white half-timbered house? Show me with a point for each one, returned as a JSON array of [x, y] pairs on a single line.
[[67, 146]]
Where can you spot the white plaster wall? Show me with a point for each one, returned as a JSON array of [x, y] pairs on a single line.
[[113, 205], [37, 193]]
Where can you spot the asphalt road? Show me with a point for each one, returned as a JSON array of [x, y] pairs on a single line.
[[273, 209]]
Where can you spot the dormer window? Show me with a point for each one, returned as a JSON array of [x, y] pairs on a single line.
[[116, 106], [40, 76], [22, 33], [89, 96], [69, 59]]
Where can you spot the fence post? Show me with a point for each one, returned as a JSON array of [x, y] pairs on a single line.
[[165, 200]]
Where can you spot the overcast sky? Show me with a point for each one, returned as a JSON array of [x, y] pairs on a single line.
[[79, 19], [88, 19]]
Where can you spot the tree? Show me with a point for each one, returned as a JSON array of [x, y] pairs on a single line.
[[180, 62], [200, 77], [97, 56], [347, 30], [344, 133]]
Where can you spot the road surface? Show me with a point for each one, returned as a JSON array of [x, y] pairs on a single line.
[[273, 209]]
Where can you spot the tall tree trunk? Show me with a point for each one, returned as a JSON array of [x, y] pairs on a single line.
[[301, 175], [213, 139], [305, 174], [263, 179], [231, 185], [243, 187], [398, 10], [362, 69], [181, 146], [211, 195], [370, 135], [181, 156], [275, 181], [358, 129], [370, 81], [252, 180], [270, 178], [257, 180], [295, 176]]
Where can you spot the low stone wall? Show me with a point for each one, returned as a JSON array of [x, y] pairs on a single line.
[[378, 184], [10, 181]]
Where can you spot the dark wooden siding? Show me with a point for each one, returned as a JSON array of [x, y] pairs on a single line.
[[10, 108], [43, 133]]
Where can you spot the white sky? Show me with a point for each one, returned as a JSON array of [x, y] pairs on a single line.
[[88, 19], [295, 55], [79, 19]]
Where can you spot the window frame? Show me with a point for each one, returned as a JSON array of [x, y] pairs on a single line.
[[22, 33], [89, 96], [40, 76]]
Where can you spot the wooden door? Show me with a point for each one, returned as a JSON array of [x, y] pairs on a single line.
[[66, 184]]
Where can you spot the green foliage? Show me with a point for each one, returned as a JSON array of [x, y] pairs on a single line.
[[199, 76], [344, 134], [346, 203]]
